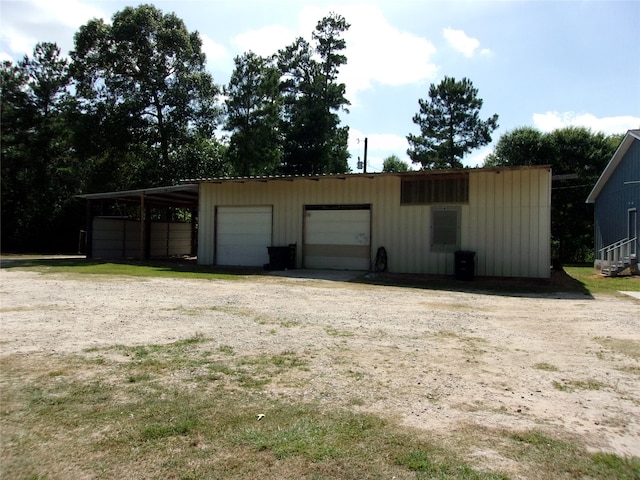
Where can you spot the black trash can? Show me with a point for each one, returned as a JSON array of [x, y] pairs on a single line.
[[281, 258], [278, 258], [464, 265]]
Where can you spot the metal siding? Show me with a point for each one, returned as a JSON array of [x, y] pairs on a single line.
[[509, 213], [504, 214], [170, 239], [108, 237], [616, 199]]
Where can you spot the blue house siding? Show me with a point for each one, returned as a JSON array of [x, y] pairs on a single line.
[[617, 197]]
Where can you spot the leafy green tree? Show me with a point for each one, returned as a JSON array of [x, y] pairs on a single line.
[[253, 105], [40, 173], [573, 151], [521, 146], [393, 164], [142, 82], [313, 140], [450, 125]]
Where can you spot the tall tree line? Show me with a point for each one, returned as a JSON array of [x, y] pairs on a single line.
[[134, 106]]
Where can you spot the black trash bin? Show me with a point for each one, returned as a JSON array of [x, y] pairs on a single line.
[[278, 258], [464, 265], [281, 258]]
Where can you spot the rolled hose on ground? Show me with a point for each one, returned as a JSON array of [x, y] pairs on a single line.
[[380, 263]]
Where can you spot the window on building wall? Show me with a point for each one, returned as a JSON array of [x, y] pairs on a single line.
[[445, 228], [442, 188]]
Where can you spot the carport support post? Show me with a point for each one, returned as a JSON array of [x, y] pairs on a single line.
[[194, 231], [142, 227], [89, 237]]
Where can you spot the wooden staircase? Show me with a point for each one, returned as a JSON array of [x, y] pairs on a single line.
[[617, 257]]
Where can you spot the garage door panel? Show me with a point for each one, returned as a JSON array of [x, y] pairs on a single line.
[[243, 235], [341, 238], [338, 239], [338, 251]]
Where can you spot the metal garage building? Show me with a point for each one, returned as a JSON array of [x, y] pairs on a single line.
[[420, 218]]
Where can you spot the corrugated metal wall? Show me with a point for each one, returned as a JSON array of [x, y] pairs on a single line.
[[120, 238], [507, 220]]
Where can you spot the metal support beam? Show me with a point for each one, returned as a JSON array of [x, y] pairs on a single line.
[[142, 227]]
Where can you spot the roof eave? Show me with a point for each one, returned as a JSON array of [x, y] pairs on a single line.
[[626, 143]]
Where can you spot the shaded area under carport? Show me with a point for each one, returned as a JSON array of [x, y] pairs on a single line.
[[143, 201]]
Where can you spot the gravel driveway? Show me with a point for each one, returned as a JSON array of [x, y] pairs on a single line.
[[436, 359]]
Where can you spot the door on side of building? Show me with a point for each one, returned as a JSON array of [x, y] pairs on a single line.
[[243, 234], [337, 237]]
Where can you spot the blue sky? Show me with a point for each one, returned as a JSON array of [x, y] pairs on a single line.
[[545, 64]]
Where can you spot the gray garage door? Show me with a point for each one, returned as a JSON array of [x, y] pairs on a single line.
[[337, 237]]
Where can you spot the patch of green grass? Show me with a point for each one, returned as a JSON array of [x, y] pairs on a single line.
[[133, 269], [546, 366], [628, 347], [427, 468], [184, 424], [573, 385], [597, 284], [569, 460], [226, 349], [69, 417], [137, 378], [335, 332]]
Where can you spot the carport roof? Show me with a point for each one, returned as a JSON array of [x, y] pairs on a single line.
[[174, 196]]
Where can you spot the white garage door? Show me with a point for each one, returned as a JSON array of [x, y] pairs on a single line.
[[337, 237], [243, 235]]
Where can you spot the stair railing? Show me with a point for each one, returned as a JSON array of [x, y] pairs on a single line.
[[618, 254]]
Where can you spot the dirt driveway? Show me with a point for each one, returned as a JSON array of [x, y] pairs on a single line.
[[569, 365]]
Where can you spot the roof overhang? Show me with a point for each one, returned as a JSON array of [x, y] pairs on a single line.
[[346, 176], [183, 196], [627, 141], [186, 194]]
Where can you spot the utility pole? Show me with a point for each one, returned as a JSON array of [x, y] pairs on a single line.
[[365, 154]]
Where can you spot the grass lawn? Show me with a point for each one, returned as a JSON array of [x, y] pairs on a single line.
[[596, 283], [189, 410]]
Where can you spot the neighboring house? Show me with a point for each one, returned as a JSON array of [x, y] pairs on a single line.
[[342, 221], [616, 196]]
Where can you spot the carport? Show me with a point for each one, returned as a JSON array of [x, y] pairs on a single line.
[[128, 223]]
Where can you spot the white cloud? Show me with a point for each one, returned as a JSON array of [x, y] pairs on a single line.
[[71, 13], [478, 157], [377, 52], [265, 41], [28, 22], [550, 121], [213, 50], [461, 42], [4, 56]]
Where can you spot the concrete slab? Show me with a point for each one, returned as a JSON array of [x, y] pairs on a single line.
[[632, 294], [334, 275]]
